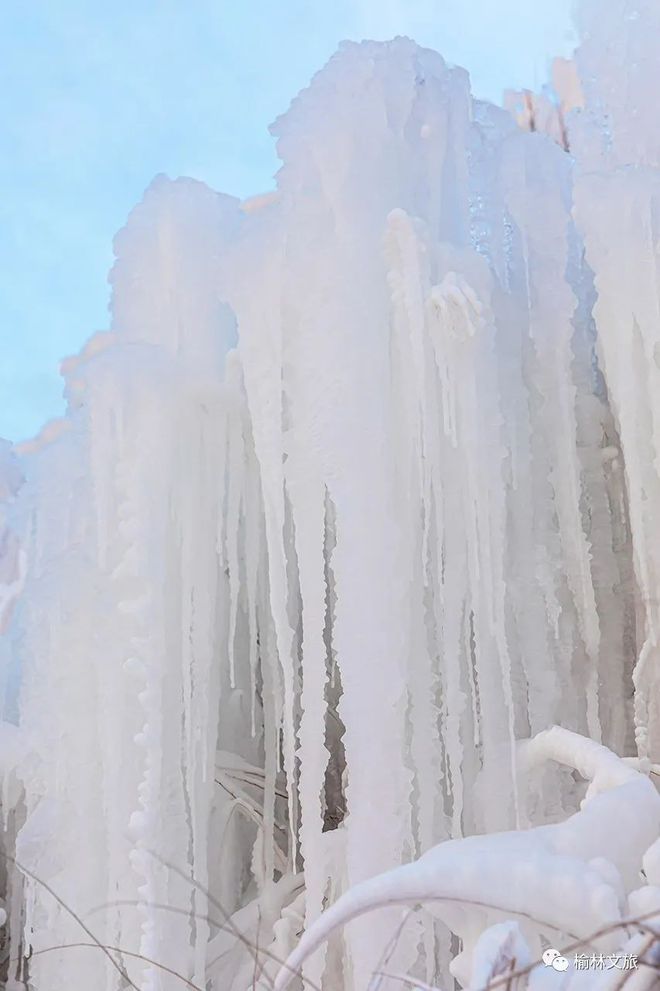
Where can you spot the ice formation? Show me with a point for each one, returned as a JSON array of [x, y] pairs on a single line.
[[569, 877], [360, 488]]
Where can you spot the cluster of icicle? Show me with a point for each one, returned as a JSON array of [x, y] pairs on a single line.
[[361, 487]]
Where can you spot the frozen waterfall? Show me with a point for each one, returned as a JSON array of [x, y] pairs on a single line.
[[361, 486]]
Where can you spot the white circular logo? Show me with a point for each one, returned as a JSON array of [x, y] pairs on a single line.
[[553, 958]]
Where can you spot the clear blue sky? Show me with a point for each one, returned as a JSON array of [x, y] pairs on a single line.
[[96, 98]]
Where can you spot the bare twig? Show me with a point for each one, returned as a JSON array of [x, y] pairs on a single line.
[[60, 901], [407, 979], [505, 979], [376, 980], [239, 935], [127, 953], [255, 972]]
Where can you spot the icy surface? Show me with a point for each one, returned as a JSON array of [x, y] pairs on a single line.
[[360, 487], [566, 878]]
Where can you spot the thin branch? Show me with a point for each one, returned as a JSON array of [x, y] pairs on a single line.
[[407, 979], [255, 972], [117, 966], [376, 980], [239, 935], [127, 953], [572, 947]]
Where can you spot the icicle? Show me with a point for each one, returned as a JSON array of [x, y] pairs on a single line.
[[352, 494]]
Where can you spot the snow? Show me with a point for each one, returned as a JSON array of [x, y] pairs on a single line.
[[566, 878], [359, 490]]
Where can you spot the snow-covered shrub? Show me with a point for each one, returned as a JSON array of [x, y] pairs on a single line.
[[509, 895]]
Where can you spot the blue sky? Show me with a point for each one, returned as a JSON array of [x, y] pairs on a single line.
[[96, 98]]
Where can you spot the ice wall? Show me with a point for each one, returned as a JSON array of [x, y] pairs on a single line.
[[338, 511], [123, 667], [616, 204]]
